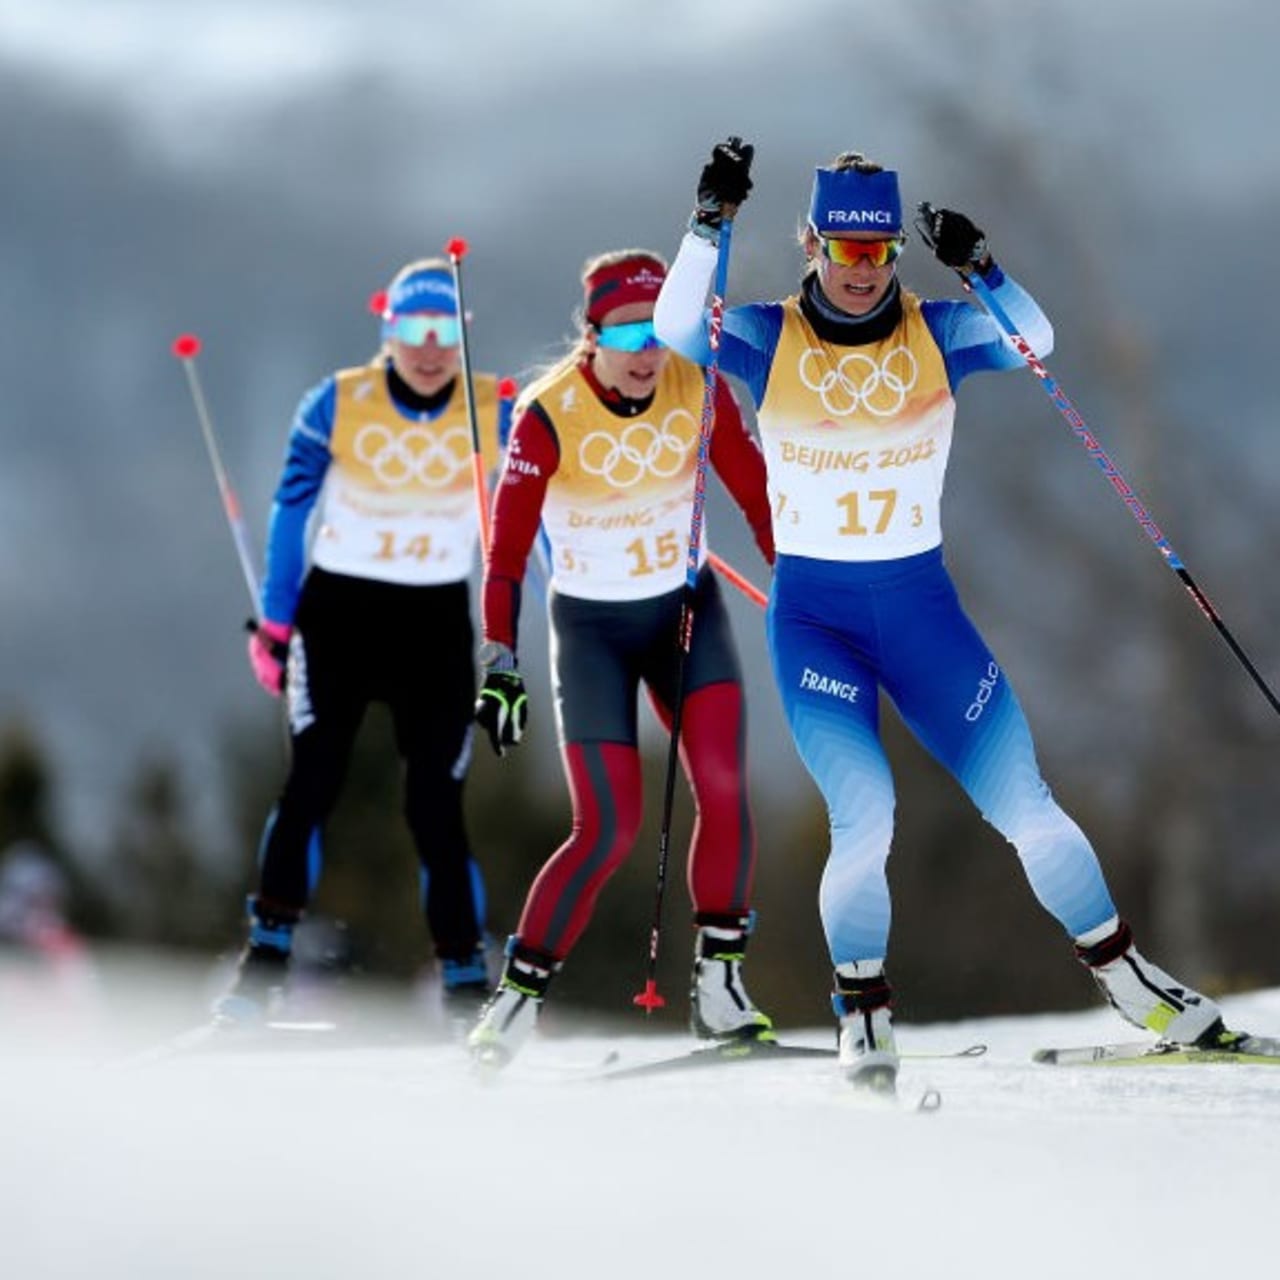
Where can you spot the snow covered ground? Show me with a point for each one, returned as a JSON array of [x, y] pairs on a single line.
[[390, 1159]]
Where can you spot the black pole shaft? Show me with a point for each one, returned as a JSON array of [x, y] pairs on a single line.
[[649, 998]]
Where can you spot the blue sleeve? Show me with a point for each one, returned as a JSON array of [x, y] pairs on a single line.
[[972, 341], [504, 422], [747, 345], [306, 463]]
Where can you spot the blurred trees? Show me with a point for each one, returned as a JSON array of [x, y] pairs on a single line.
[[164, 889], [25, 785], [27, 813], [968, 937]]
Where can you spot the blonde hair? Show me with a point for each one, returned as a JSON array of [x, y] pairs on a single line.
[[847, 160]]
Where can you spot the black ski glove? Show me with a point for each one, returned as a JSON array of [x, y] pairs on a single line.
[[725, 181], [954, 239], [502, 709]]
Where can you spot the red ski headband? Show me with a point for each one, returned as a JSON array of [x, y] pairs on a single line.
[[621, 283]]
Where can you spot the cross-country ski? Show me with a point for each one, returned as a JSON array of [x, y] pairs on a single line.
[[1250, 1051]]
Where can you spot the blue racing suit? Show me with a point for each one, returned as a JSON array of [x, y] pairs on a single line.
[[855, 417]]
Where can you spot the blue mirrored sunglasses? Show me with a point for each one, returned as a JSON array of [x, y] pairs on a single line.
[[416, 329], [637, 336]]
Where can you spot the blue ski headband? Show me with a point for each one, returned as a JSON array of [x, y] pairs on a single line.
[[431, 289], [846, 200]]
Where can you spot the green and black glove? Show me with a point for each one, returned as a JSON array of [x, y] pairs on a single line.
[[502, 708]]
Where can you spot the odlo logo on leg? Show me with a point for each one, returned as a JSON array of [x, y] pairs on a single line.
[[297, 694], [986, 687]]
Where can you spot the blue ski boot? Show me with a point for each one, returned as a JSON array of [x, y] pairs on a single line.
[[465, 987], [257, 991]]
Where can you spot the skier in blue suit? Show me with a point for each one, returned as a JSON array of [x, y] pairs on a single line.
[[374, 531], [853, 379]]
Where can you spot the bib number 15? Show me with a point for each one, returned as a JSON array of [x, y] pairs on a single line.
[[650, 555]]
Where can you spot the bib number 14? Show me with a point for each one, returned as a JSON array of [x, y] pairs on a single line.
[[389, 548]]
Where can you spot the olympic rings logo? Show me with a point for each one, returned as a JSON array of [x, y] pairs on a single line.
[[416, 453], [641, 450], [858, 382]]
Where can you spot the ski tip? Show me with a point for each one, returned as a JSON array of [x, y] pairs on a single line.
[[738, 1048], [487, 1062], [186, 346], [879, 1078]]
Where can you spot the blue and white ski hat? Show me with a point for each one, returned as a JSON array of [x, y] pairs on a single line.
[[429, 288], [853, 200]]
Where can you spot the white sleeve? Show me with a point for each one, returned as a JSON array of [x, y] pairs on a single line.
[[678, 316]]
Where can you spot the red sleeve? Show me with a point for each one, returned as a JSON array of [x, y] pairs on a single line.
[[533, 454], [740, 466]]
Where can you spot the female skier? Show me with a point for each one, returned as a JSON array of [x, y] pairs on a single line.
[[603, 453], [381, 455], [854, 379]]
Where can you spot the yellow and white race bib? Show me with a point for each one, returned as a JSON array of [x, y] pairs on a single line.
[[398, 503], [856, 441], [618, 507]]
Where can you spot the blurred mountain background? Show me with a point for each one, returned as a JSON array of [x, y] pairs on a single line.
[[253, 170]]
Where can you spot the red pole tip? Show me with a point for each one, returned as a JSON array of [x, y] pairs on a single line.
[[507, 389], [186, 345], [378, 302], [456, 248]]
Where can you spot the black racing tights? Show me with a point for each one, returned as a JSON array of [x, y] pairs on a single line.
[[359, 641]]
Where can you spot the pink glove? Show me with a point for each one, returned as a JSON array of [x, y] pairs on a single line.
[[268, 650]]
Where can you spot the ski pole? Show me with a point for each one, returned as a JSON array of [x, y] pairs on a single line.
[[186, 347], [734, 578], [977, 286], [457, 250], [649, 999]]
